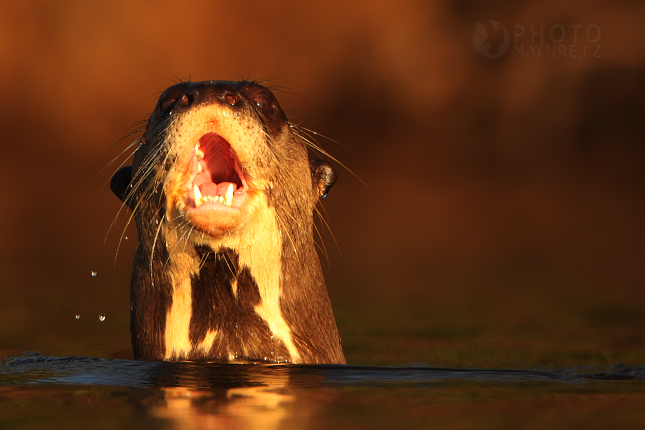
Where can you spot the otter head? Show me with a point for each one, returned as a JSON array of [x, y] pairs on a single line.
[[223, 195]]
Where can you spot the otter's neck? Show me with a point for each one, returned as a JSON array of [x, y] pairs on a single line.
[[258, 297]]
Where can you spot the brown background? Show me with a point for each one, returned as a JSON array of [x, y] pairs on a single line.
[[501, 220]]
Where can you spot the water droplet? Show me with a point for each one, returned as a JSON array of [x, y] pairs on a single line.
[[101, 317], [94, 273], [126, 238], [78, 317]]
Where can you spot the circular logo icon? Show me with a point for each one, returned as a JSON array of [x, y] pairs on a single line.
[[490, 39]]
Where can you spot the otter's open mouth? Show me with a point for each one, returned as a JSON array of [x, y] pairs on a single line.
[[216, 182]]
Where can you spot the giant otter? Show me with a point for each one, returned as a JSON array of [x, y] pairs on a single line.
[[223, 194]]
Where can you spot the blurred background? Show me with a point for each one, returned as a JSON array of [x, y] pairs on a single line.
[[501, 146]]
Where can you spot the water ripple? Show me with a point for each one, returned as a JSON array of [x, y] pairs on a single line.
[[32, 368]]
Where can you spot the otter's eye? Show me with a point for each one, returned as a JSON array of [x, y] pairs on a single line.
[[264, 103], [167, 105]]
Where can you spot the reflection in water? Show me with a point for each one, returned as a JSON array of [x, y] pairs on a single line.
[[243, 407], [265, 405], [189, 395]]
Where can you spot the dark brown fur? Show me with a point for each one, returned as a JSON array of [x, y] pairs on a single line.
[[215, 306], [242, 333]]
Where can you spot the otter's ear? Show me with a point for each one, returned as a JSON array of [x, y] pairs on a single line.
[[119, 183], [323, 176]]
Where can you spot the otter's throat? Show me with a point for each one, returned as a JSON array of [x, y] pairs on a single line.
[[226, 304]]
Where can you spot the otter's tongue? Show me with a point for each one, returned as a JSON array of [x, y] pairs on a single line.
[[213, 189], [218, 171]]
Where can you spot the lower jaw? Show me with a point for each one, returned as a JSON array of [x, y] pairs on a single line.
[[216, 221]]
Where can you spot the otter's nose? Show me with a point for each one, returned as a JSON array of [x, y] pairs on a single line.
[[186, 100], [210, 92]]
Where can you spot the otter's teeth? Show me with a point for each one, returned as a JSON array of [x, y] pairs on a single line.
[[199, 168], [197, 195], [199, 152], [228, 199]]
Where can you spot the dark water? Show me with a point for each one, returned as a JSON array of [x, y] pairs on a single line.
[[37, 391]]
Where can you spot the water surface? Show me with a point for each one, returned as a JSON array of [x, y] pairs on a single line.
[[84, 392]]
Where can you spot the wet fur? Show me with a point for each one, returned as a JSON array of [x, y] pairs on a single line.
[[226, 280]]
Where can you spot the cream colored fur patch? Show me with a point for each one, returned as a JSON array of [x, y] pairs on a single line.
[[258, 242], [178, 318], [264, 263]]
